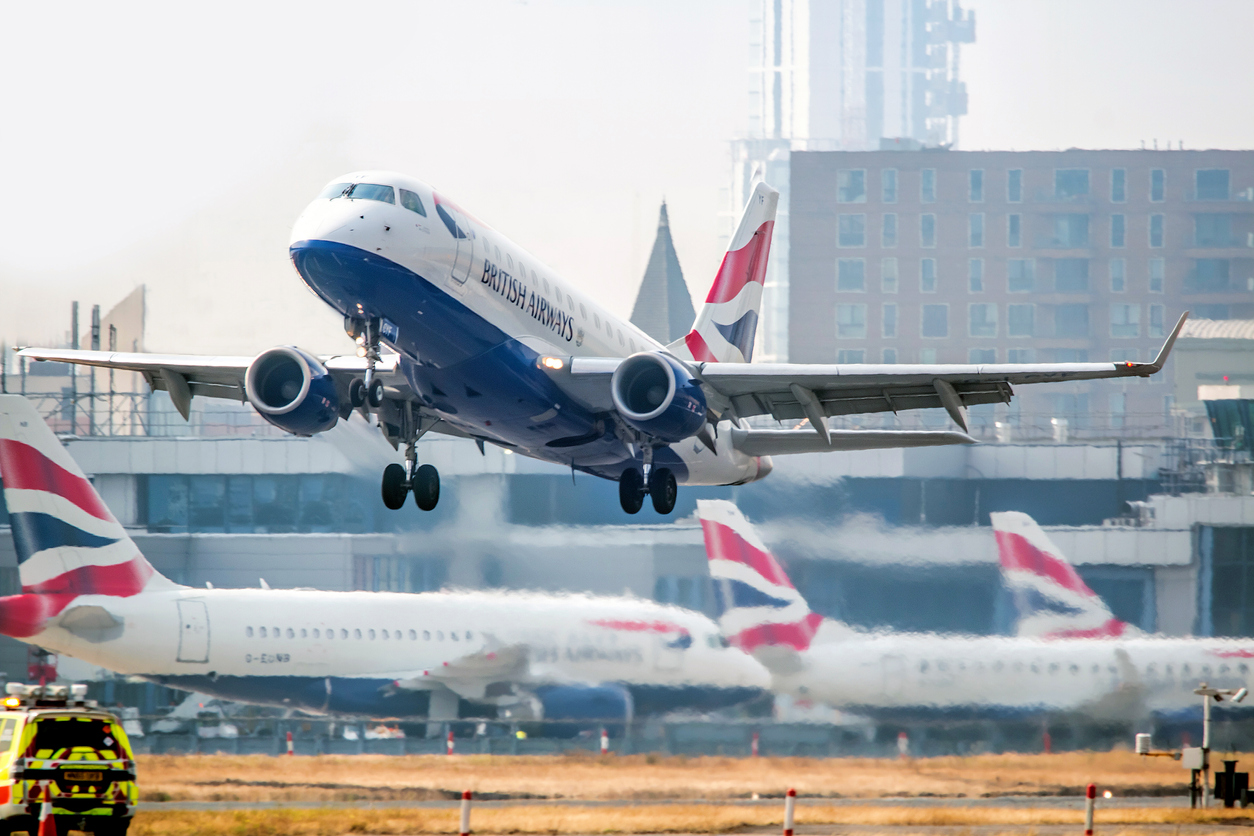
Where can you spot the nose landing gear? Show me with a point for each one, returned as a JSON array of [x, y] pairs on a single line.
[[366, 333]]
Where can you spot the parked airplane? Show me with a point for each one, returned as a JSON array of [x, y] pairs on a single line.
[[909, 675], [492, 345], [87, 592]]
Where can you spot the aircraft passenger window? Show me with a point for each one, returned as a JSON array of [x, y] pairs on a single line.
[[1184, 670], [1151, 669], [1075, 668], [1111, 668], [1036, 669], [620, 338], [426, 635], [334, 190], [1205, 670], [609, 329], [923, 666], [509, 261], [570, 303], [942, 666], [1167, 670], [997, 666], [304, 634], [498, 254], [357, 634], [1243, 668], [248, 631], [545, 282], [291, 634], [330, 634], [262, 631], [452, 634], [1097, 669], [533, 277], [371, 635], [632, 345], [315, 635], [372, 191], [439, 635], [468, 636], [596, 319], [413, 635], [583, 312], [385, 635], [1223, 668], [277, 632], [1053, 668], [412, 202]]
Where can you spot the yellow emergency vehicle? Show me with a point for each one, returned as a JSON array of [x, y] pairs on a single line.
[[57, 745]]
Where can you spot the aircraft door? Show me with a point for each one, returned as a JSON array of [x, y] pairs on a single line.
[[193, 631], [465, 248]]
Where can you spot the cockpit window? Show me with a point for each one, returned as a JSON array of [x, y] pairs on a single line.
[[371, 191], [412, 202], [334, 190]]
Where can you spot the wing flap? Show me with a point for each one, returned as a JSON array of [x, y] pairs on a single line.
[[785, 442]]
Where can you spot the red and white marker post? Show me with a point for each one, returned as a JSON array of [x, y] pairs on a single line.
[[1090, 799], [47, 822], [790, 802], [753, 748], [290, 749], [450, 743], [903, 745], [605, 742], [465, 831]]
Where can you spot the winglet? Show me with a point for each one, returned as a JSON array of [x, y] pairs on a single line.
[[1161, 359]]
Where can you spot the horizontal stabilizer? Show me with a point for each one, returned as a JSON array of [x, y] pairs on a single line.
[[782, 442]]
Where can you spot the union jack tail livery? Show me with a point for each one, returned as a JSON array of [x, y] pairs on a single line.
[[1053, 600], [758, 607], [726, 324], [68, 543]]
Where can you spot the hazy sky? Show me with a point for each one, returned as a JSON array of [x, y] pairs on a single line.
[[175, 145]]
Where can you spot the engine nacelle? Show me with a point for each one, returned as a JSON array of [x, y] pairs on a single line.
[[586, 702], [292, 390], [655, 394]]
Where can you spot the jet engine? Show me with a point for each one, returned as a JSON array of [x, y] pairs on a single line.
[[654, 393], [292, 390], [586, 702]]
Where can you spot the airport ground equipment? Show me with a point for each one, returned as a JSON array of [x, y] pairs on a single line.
[[1196, 759], [59, 748]]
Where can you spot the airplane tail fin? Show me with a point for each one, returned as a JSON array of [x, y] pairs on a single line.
[[759, 610], [727, 322], [68, 543], [1052, 599]]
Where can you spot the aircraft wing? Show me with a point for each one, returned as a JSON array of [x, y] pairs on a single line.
[[815, 391], [469, 676]]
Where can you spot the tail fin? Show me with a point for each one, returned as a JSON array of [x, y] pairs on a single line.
[[758, 607], [68, 543], [1052, 599], [728, 321]]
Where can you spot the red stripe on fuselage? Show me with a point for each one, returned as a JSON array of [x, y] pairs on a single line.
[[721, 543], [22, 467], [1110, 630], [739, 267], [1017, 553], [639, 626]]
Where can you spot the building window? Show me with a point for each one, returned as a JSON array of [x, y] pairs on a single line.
[[1118, 403], [1014, 185], [1071, 183], [1211, 183], [982, 355], [1158, 271], [1119, 185], [927, 275], [1209, 275], [1158, 180], [1213, 230], [1125, 321], [1020, 321], [975, 191], [888, 274], [888, 232], [975, 227], [888, 182], [890, 321], [1118, 275], [1020, 275], [1014, 230], [1019, 355], [1071, 320], [927, 230], [851, 275], [1123, 355], [1155, 321], [851, 185], [1211, 311], [852, 231], [1070, 231], [1118, 230], [890, 356], [983, 320], [935, 322], [975, 275], [1156, 230], [851, 355], [927, 186], [851, 322], [1071, 275]]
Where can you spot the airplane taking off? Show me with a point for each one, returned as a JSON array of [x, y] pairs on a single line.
[[87, 592], [492, 345], [1109, 670]]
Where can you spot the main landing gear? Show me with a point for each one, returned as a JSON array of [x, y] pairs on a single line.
[[399, 480], [656, 482]]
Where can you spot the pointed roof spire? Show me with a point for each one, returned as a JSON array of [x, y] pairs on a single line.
[[663, 308]]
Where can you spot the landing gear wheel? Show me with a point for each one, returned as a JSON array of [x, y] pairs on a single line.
[[663, 490], [394, 487], [357, 393], [374, 393], [631, 490], [426, 487]]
